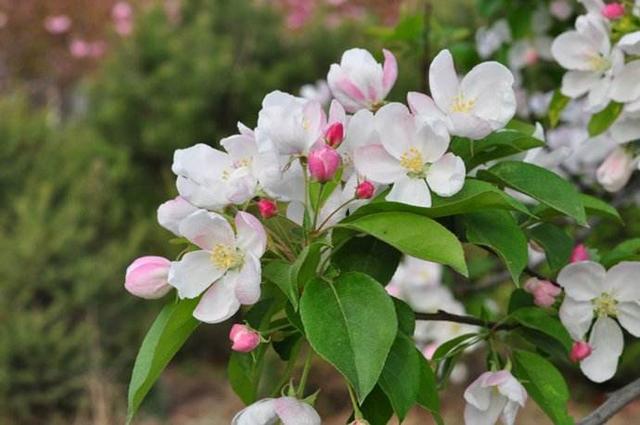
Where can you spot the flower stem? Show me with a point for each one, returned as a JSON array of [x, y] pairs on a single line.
[[305, 373]]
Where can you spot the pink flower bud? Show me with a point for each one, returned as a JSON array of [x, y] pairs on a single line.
[[244, 339], [365, 190], [334, 134], [613, 11], [614, 173], [580, 351], [323, 163], [579, 253], [147, 277], [267, 208], [544, 292]]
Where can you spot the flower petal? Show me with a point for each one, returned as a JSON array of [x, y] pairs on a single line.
[[410, 191], [375, 163], [171, 213], [424, 107], [262, 412], [389, 72], [194, 273], [622, 281], [630, 43], [251, 236], [576, 316], [397, 128], [446, 176], [625, 87], [247, 281], [573, 51], [207, 229], [219, 302], [432, 140], [629, 317], [295, 412], [607, 342], [443, 80], [582, 281], [577, 83]]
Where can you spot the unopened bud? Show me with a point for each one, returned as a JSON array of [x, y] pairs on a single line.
[[613, 11], [244, 339], [323, 163], [365, 190], [580, 351], [267, 208], [147, 277], [544, 292], [334, 135], [579, 253]]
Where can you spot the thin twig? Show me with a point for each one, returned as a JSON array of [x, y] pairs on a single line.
[[615, 403], [443, 316], [425, 58]]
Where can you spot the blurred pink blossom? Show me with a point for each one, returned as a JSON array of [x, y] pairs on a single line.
[[58, 24], [79, 48], [122, 14]]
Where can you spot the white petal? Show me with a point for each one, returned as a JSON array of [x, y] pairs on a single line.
[[625, 87], [598, 97], [193, 274], [622, 281], [607, 342], [629, 317], [474, 416], [200, 163], [630, 43], [295, 212], [443, 80], [510, 412], [478, 394], [240, 147], [295, 412], [626, 129], [577, 83], [375, 163], [424, 107], [202, 195], [582, 281], [446, 176], [262, 412], [361, 131], [573, 51], [251, 236], [171, 213], [576, 316], [465, 124], [397, 128], [411, 192], [207, 229], [432, 140], [218, 303], [513, 390], [247, 281]]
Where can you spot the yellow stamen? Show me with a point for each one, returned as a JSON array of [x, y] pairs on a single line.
[[225, 257], [599, 63], [460, 104], [605, 305], [412, 161]]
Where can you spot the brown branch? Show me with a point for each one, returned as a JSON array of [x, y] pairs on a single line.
[[616, 402], [443, 316], [425, 58]]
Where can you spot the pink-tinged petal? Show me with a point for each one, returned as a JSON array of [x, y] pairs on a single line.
[[443, 80], [446, 176], [342, 88], [411, 192], [576, 316], [295, 412], [247, 281], [607, 341], [629, 317], [622, 281], [244, 130], [389, 71], [218, 303], [171, 213], [336, 113], [315, 120], [207, 229], [573, 51], [147, 277], [491, 379], [251, 236], [509, 413], [626, 128], [513, 390], [194, 273], [375, 163], [583, 281], [262, 412], [424, 107]]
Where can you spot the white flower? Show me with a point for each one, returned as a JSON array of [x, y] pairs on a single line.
[[359, 82], [489, 39], [616, 170], [586, 52], [482, 102], [624, 86], [627, 127], [361, 131], [630, 43], [492, 395], [289, 125], [269, 411], [172, 212], [318, 92], [226, 268], [412, 157], [591, 291]]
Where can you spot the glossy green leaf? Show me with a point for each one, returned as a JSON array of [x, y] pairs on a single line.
[[595, 206], [539, 183], [279, 273], [555, 241], [499, 231], [600, 122], [428, 392], [305, 266], [169, 331], [368, 255], [544, 384], [352, 324], [540, 320], [557, 105], [376, 408], [241, 374], [414, 235], [406, 317], [500, 144], [628, 250], [399, 379]]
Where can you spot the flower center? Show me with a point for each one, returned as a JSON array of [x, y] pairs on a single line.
[[225, 257], [605, 305], [412, 161], [460, 104], [599, 63], [242, 163]]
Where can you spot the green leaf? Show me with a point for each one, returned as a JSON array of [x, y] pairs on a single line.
[[520, 298], [428, 392], [557, 105], [368, 255], [454, 346], [414, 235], [544, 384], [476, 195], [497, 145], [241, 375], [279, 273], [352, 324], [600, 122], [499, 231], [555, 241], [628, 250], [406, 317], [376, 408], [168, 333], [539, 183], [538, 319], [399, 379], [595, 206], [305, 266]]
